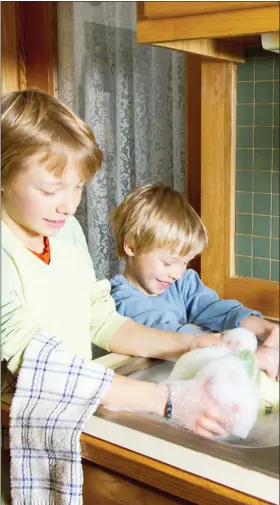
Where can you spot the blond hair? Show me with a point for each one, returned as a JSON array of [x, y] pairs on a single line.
[[155, 216], [38, 126]]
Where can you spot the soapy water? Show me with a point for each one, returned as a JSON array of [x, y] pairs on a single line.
[[264, 433]]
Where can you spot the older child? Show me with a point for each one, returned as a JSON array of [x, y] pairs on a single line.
[[48, 281], [158, 233]]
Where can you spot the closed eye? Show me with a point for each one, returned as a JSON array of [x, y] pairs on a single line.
[[46, 193]]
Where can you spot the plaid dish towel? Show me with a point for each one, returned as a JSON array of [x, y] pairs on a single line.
[[56, 394]]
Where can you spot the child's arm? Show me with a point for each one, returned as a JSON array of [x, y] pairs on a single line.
[[204, 307], [115, 333], [263, 329], [17, 325], [137, 340], [193, 408]]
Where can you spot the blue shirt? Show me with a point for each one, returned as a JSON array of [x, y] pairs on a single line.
[[185, 301]]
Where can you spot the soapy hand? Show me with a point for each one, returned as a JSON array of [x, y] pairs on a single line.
[[206, 340], [268, 332], [268, 353], [194, 408], [268, 360], [240, 338], [272, 339], [219, 400]]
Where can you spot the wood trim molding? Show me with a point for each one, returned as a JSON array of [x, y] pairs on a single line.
[[218, 104], [166, 478], [218, 25], [254, 293], [218, 146]]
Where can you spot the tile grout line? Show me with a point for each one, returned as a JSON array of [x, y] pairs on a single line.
[[271, 179], [253, 172]]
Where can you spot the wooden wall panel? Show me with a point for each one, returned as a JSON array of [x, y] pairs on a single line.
[[39, 32], [28, 36], [13, 73]]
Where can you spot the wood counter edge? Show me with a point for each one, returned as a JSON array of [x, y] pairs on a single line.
[[159, 475]]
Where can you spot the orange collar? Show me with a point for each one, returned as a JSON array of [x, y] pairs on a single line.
[[45, 256]]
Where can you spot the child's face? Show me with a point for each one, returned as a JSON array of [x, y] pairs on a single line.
[[155, 271], [39, 202]]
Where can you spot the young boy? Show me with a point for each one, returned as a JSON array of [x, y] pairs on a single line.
[[159, 233]]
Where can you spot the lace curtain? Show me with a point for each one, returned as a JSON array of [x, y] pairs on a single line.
[[133, 97]]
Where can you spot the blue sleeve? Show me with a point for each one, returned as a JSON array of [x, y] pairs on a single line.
[[204, 308], [143, 312]]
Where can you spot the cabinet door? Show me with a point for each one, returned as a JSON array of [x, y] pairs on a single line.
[[218, 147]]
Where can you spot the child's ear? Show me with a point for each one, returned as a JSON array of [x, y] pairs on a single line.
[[128, 249]]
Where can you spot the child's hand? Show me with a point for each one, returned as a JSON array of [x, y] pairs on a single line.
[[268, 360], [272, 339], [194, 409], [206, 340], [269, 356]]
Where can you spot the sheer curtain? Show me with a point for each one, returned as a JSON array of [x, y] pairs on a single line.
[[133, 97]]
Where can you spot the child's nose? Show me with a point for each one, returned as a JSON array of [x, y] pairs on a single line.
[[177, 271], [67, 206]]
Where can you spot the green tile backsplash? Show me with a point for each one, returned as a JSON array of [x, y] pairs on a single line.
[[257, 169]]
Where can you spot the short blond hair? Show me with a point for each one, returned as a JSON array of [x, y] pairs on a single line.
[[36, 125], [156, 216]]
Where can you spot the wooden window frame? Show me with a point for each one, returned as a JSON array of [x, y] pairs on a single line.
[[218, 168]]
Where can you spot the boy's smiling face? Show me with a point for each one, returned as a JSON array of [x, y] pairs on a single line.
[[156, 270], [37, 203]]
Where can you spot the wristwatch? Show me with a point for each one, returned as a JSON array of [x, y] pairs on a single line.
[[168, 407]]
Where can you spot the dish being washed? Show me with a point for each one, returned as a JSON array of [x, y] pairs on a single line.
[[261, 426]]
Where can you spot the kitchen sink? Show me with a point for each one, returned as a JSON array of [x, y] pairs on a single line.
[[265, 433], [259, 452]]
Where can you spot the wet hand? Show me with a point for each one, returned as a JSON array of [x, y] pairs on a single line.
[[268, 360], [272, 339], [206, 340], [194, 409]]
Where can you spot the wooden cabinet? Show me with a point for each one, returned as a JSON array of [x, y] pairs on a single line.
[[173, 21], [214, 37]]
